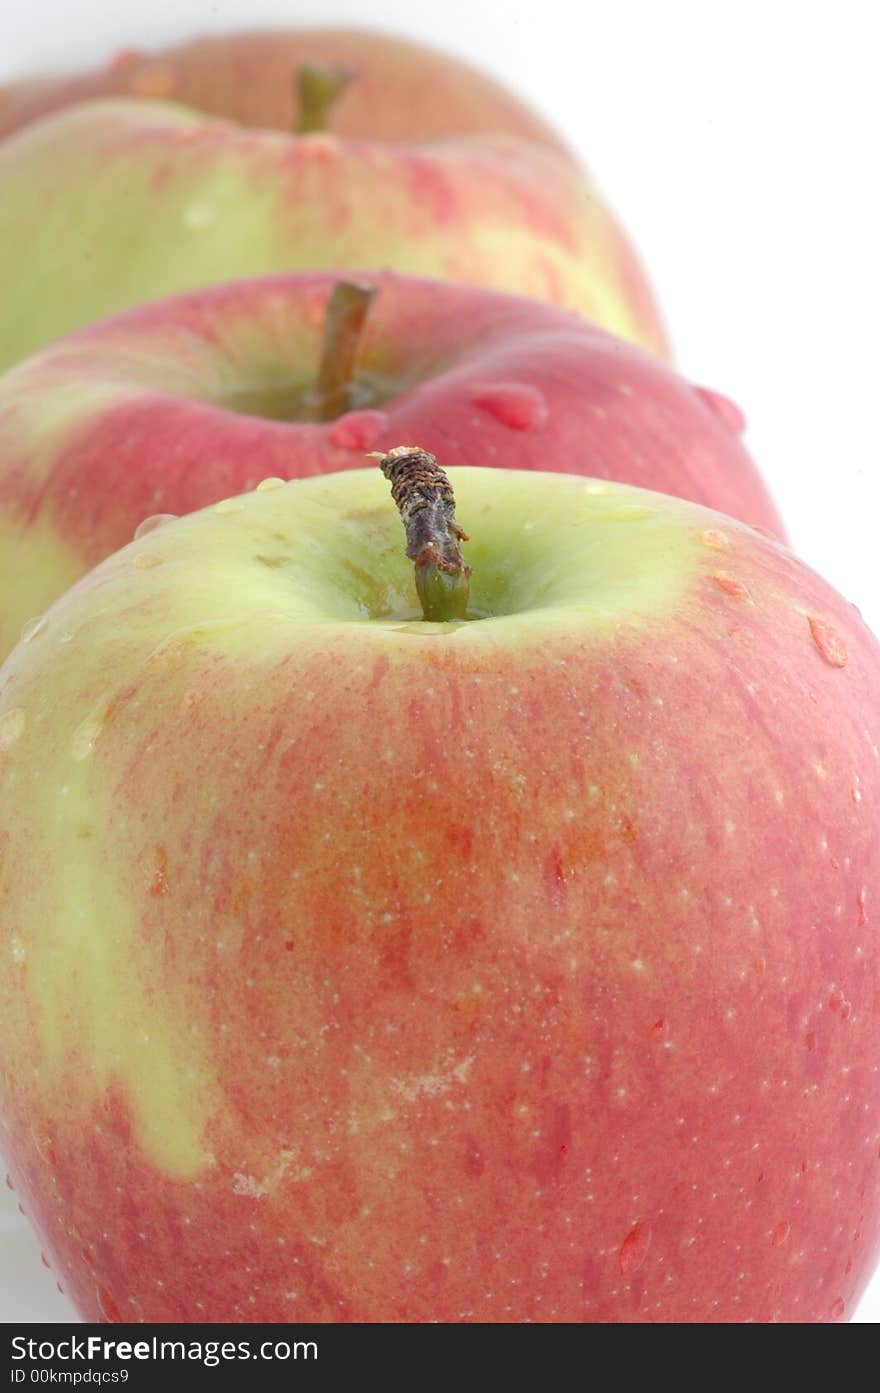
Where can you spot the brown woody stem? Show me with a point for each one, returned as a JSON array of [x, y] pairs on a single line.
[[344, 320], [424, 497], [318, 87]]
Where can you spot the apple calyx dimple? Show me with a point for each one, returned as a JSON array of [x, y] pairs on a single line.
[[423, 494]]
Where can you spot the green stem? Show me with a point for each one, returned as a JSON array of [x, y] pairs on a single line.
[[423, 494], [319, 88]]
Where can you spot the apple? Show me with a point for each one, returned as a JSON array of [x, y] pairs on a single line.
[[359, 968], [400, 91], [171, 407], [111, 204]]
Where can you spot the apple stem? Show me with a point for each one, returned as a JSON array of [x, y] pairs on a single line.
[[344, 320], [423, 494], [319, 87]]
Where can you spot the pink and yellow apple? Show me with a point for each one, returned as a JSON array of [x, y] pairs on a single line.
[[356, 968], [112, 204], [167, 409], [399, 90]]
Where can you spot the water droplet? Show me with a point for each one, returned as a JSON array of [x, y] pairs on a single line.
[[725, 409], [108, 1306], [12, 724], [87, 732], [658, 1029], [597, 488], [45, 1261], [151, 523], [715, 540], [146, 560], [33, 627], [267, 485], [731, 586], [828, 641], [9, 1184], [780, 1234], [840, 1004], [838, 1308], [513, 404], [358, 430], [229, 505], [634, 1248]]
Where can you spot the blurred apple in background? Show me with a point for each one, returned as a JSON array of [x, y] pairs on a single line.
[[173, 406], [359, 968], [399, 90], [114, 203]]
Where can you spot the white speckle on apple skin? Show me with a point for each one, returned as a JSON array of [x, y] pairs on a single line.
[[199, 214]]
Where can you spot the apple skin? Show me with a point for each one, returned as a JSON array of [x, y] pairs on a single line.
[[127, 418], [400, 91], [359, 969], [114, 204]]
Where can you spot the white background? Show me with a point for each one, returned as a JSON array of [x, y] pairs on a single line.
[[738, 141]]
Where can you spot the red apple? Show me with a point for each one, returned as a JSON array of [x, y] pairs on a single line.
[[356, 968], [168, 408], [399, 90]]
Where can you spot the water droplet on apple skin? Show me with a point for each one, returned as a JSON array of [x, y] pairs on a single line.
[[780, 1234], [12, 724], [228, 505], [358, 430], [32, 628], [517, 405], [270, 484], [724, 409], [840, 1005], [714, 539], [87, 732], [146, 560], [827, 642], [109, 1309], [838, 1308], [151, 523], [9, 1183], [731, 586], [634, 1248]]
